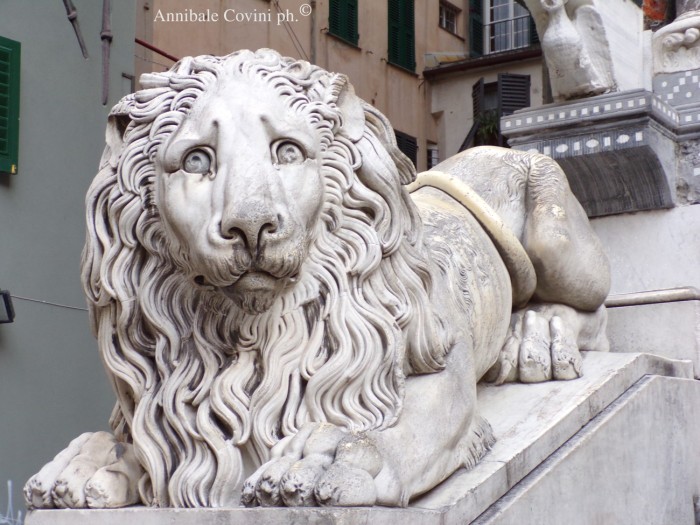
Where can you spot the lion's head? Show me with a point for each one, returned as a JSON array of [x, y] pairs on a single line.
[[252, 263]]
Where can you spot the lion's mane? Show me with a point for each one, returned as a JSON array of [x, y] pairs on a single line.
[[202, 385]]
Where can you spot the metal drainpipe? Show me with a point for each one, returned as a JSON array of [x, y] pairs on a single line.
[[312, 3]]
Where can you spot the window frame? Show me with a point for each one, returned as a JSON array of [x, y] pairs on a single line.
[[446, 8], [510, 92], [9, 152], [489, 48], [432, 151]]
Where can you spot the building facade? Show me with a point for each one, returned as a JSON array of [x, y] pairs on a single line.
[[52, 121], [384, 47]]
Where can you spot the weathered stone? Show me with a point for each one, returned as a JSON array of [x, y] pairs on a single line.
[[676, 46], [592, 46], [616, 149], [665, 323], [636, 462], [284, 324], [685, 6], [531, 423]]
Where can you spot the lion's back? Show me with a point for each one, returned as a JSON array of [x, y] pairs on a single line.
[[498, 175]]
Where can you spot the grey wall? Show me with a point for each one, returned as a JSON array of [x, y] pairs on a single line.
[[52, 385]]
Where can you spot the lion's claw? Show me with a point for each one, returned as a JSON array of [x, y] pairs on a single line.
[[346, 487], [297, 488], [542, 345], [248, 494], [337, 468], [93, 471]]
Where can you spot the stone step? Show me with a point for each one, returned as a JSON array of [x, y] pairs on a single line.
[[531, 423]]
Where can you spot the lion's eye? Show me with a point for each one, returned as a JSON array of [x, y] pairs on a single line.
[[287, 152], [197, 161]]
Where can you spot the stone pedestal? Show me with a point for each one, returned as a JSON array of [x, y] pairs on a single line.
[[615, 446], [637, 462], [618, 150]]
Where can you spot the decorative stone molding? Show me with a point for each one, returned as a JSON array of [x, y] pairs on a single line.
[[676, 47], [618, 150]]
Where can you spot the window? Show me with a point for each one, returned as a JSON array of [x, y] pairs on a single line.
[[9, 105], [448, 17], [402, 34], [491, 101], [507, 26], [342, 20], [408, 145], [499, 25], [433, 155]]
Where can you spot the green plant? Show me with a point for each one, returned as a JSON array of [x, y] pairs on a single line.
[[489, 126]]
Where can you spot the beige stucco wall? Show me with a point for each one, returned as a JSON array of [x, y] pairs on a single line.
[[403, 96], [451, 99]]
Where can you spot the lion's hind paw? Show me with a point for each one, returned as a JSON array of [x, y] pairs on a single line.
[[542, 345]]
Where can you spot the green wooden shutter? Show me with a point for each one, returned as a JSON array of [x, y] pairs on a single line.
[[9, 105], [476, 28], [409, 32], [478, 94], [342, 20], [513, 92], [402, 42], [394, 31]]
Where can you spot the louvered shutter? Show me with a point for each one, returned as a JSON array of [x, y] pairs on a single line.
[[408, 145], [478, 97], [409, 31], [513, 92], [401, 31], [9, 105], [394, 31], [342, 20], [476, 28]]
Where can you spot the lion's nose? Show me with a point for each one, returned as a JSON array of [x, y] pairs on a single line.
[[253, 228]]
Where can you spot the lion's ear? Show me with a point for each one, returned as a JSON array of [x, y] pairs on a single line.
[[117, 123], [350, 106]]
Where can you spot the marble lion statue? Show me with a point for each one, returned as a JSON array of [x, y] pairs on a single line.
[[283, 321]]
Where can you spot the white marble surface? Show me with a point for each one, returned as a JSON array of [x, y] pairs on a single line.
[[637, 462], [669, 329], [592, 46], [676, 46], [291, 328], [530, 421]]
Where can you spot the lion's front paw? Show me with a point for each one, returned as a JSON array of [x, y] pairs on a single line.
[[542, 345], [93, 471], [321, 465]]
